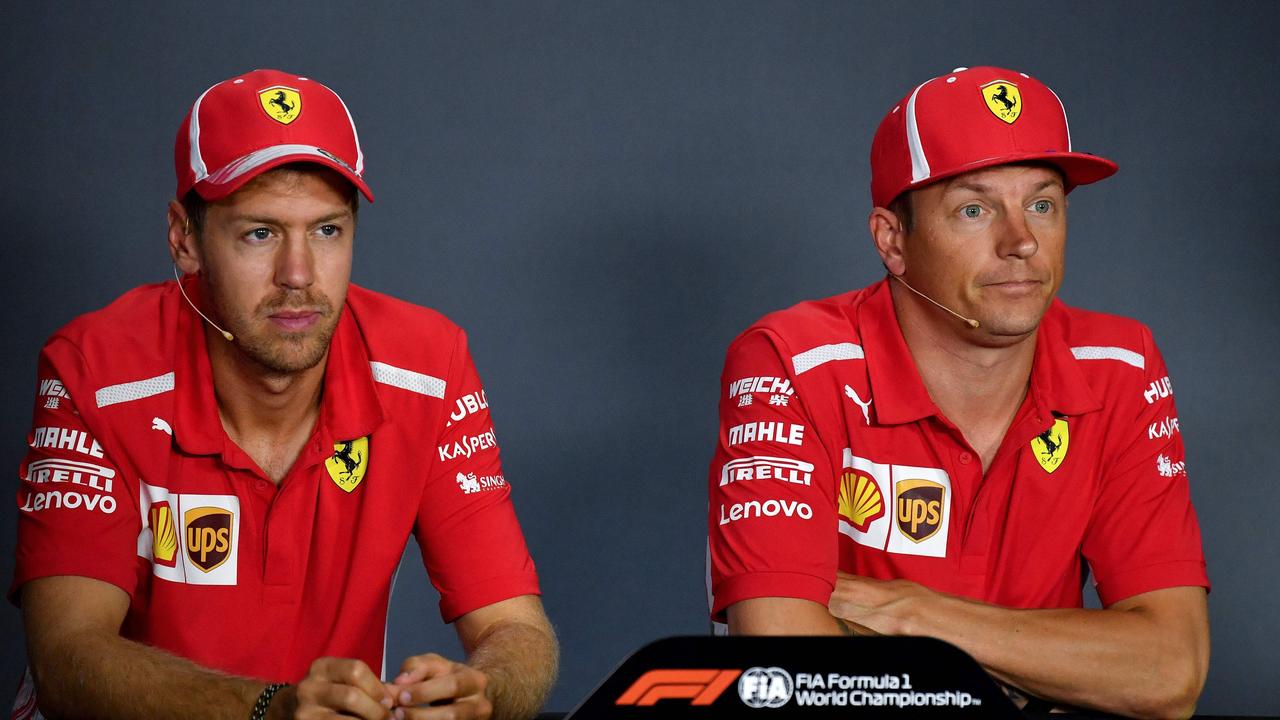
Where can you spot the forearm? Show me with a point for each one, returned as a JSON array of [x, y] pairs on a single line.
[[521, 661], [1119, 661], [106, 676]]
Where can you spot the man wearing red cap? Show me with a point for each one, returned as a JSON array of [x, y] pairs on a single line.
[[224, 470], [952, 451]]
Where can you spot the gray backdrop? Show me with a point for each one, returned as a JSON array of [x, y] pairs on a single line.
[[605, 193]]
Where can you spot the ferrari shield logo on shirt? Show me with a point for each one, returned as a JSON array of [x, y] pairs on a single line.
[[349, 463], [282, 104], [1003, 100], [164, 539], [1050, 446], [208, 536]]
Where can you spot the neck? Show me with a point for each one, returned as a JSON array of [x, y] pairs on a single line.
[[973, 377], [257, 404]]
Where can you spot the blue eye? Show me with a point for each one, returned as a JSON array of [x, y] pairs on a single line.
[[259, 234], [971, 211], [330, 230], [1042, 206]]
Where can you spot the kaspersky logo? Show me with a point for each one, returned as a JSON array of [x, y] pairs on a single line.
[[699, 687]]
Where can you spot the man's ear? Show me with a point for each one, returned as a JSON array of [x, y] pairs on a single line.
[[183, 247], [889, 236]]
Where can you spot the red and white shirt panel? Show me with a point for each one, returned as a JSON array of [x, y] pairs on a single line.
[[1091, 473]]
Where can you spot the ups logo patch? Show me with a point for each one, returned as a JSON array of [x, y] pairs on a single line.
[[208, 536], [919, 511]]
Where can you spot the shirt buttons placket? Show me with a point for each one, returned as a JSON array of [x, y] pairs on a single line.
[[966, 457]]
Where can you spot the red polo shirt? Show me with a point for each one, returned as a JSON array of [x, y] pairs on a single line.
[[832, 456], [131, 479]]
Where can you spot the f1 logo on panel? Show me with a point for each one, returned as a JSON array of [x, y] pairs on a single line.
[[189, 538], [898, 508], [699, 687]]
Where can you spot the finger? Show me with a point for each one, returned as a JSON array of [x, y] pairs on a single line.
[[354, 673], [472, 708], [462, 682], [316, 695], [421, 667]]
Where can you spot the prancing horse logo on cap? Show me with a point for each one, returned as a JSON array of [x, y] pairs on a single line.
[[281, 104], [1003, 100]]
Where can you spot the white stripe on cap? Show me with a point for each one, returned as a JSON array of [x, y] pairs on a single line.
[[193, 139], [919, 163], [407, 380], [136, 390], [354, 135], [1065, 124], [258, 158], [1103, 352], [810, 359]]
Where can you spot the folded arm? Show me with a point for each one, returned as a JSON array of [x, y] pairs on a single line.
[[83, 667], [1144, 656]]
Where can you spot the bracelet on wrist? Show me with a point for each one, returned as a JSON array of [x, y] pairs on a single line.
[[264, 701]]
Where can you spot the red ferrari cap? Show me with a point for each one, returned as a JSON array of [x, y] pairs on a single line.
[[244, 126], [973, 118]]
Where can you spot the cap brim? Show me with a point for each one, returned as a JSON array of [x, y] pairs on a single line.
[[238, 172], [1078, 168]]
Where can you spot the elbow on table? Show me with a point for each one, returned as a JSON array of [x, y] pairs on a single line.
[[1174, 695]]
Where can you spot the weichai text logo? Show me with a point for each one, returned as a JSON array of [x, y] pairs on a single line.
[[919, 508], [208, 536], [699, 687]]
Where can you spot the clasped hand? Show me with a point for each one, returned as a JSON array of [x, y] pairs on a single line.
[[429, 687]]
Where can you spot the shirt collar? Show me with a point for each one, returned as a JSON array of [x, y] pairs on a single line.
[[899, 393], [1057, 383], [349, 406]]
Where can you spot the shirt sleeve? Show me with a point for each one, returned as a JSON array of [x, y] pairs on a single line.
[[77, 515], [771, 519], [1143, 534], [471, 542]]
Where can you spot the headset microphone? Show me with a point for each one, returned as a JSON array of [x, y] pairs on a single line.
[[967, 321], [225, 334]]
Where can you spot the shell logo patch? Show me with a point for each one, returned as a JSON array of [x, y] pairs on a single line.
[[282, 104], [164, 539], [860, 501], [1003, 100], [349, 463], [1050, 446], [209, 536]]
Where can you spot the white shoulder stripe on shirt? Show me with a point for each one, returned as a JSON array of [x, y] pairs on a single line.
[[407, 380], [136, 390], [810, 359], [1103, 352]]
